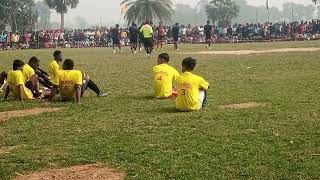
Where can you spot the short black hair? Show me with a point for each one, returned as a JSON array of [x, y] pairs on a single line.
[[57, 53], [34, 60], [165, 56], [208, 22], [189, 63], [17, 64], [68, 64]]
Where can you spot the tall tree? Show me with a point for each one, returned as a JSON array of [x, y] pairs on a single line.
[[142, 10], [19, 14], [44, 13], [62, 6], [222, 10]]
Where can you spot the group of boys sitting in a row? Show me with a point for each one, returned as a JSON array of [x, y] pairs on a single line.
[[189, 90], [24, 79], [23, 82]]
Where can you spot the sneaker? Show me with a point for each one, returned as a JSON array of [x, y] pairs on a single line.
[[102, 94], [114, 51], [149, 56]]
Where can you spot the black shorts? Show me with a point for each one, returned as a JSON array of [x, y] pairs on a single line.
[[176, 38], [148, 42], [116, 41], [208, 37], [160, 38], [134, 40]]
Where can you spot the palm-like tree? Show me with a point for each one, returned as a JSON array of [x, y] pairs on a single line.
[[62, 6], [142, 10]]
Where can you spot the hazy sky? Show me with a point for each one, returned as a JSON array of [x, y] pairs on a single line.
[[96, 11]]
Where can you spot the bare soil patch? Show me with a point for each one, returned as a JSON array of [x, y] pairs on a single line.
[[247, 52], [29, 112], [81, 172], [249, 105]]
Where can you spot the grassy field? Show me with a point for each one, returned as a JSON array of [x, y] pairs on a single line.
[[146, 138]]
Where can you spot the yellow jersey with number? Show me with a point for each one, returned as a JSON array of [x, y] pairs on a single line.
[[16, 78], [54, 72], [188, 91], [163, 76], [28, 72], [68, 79]]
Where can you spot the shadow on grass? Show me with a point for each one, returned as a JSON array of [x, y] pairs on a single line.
[[143, 97], [166, 110]]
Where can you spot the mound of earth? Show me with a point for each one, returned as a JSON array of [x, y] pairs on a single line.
[[81, 172], [29, 112], [249, 105], [247, 52]]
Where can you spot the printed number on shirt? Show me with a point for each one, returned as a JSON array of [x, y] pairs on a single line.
[[183, 92], [66, 88]]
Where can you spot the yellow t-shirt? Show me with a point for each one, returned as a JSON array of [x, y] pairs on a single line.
[[188, 91], [147, 31], [54, 72], [163, 75], [28, 72], [16, 78], [68, 79]]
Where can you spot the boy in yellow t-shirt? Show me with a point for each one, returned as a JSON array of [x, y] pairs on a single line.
[[54, 68], [163, 77], [73, 83], [192, 89], [30, 76], [16, 83]]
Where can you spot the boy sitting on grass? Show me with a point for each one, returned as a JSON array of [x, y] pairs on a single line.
[[192, 89], [72, 83], [163, 77], [3, 77], [16, 83]]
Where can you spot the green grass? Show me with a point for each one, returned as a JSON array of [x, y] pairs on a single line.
[[148, 139]]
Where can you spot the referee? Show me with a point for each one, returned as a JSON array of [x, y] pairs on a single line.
[[147, 32]]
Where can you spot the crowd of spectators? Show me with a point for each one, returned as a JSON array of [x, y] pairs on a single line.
[[102, 37]]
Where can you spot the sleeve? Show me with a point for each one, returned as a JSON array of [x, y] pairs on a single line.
[[176, 74], [141, 29], [56, 75], [78, 78], [29, 72], [203, 84], [151, 30]]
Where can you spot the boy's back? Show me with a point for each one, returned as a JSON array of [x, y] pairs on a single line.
[[68, 79], [189, 86], [16, 78], [163, 75]]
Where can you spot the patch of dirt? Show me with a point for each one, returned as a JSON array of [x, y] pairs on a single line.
[[249, 105], [81, 172], [7, 149], [247, 52], [29, 112]]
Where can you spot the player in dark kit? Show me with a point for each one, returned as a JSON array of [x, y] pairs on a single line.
[[115, 34], [161, 35], [208, 34], [176, 34], [134, 35]]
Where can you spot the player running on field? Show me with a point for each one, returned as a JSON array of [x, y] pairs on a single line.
[[161, 35], [115, 34], [192, 89], [147, 38], [133, 35], [176, 35], [16, 83], [163, 77], [208, 34]]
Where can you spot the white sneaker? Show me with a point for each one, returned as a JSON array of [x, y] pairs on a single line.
[[149, 56], [114, 51]]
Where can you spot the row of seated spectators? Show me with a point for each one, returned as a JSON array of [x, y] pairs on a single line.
[[102, 37]]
